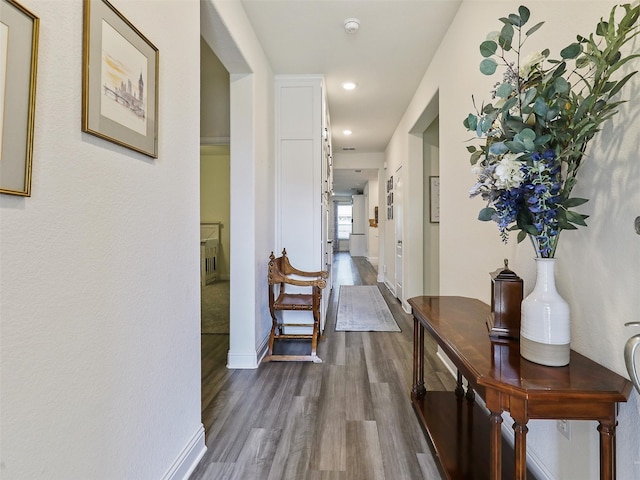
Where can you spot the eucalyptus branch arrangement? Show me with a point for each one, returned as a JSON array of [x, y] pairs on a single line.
[[543, 114]]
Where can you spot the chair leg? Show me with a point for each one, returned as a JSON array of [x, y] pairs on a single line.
[[272, 335], [315, 334]]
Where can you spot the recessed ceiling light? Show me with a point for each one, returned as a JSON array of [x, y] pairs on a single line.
[[347, 132], [349, 85]]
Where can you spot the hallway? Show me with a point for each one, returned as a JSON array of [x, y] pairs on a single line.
[[347, 418]]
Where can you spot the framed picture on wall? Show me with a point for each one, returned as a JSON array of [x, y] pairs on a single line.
[[19, 30], [119, 80], [434, 199]]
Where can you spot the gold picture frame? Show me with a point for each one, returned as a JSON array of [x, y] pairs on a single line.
[[119, 80], [19, 29]]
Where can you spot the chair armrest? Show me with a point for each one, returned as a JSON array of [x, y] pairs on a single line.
[[320, 282], [321, 274]]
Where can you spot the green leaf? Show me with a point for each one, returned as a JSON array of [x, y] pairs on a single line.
[[576, 218], [504, 90], [561, 85], [542, 140], [620, 84], [498, 148], [521, 235], [540, 107], [488, 48], [514, 19], [471, 122], [516, 146], [486, 214], [533, 29], [582, 62], [471, 149], [475, 156], [607, 86], [574, 202], [485, 124], [515, 124], [489, 108], [559, 70], [614, 58], [529, 95], [509, 104], [601, 29], [488, 66], [524, 14], [527, 134], [506, 36], [572, 51], [552, 114]]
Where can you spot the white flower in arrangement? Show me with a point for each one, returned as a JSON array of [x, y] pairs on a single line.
[[508, 173], [529, 63]]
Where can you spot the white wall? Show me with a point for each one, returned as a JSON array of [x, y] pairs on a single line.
[[100, 295], [227, 30], [373, 245], [597, 266], [214, 198], [431, 231]]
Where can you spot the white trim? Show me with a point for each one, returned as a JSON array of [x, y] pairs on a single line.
[[263, 347], [188, 460], [244, 361], [387, 283]]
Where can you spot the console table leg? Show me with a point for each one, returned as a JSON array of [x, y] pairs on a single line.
[[495, 467], [607, 450], [418, 389], [471, 394], [520, 450]]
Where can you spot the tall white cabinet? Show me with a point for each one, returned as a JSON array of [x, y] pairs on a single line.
[[303, 179]]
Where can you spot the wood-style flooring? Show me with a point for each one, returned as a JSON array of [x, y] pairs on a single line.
[[348, 418]]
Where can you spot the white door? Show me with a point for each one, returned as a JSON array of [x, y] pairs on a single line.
[[397, 217]]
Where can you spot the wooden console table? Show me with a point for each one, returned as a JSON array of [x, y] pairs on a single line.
[[467, 441]]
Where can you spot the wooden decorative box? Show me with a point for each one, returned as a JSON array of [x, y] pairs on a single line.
[[506, 297]]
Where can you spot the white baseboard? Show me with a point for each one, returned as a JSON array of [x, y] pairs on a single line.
[[406, 307], [263, 348], [242, 360], [189, 457]]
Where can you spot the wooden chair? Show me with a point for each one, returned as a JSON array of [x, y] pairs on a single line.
[[282, 273]]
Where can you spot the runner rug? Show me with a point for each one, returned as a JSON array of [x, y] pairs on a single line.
[[361, 308]]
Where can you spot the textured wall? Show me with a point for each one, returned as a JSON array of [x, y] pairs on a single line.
[[99, 296]]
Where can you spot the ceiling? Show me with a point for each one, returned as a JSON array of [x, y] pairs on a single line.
[[387, 57]]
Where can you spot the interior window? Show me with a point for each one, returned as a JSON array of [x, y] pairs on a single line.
[[345, 220]]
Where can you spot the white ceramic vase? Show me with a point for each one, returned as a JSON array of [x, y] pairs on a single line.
[[631, 348], [545, 330]]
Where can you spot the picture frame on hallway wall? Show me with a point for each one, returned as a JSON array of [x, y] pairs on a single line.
[[119, 80], [19, 30], [434, 199]]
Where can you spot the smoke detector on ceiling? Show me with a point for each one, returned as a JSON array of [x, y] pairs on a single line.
[[351, 25]]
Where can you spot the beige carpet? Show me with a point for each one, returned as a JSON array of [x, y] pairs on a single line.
[[361, 308], [215, 308]]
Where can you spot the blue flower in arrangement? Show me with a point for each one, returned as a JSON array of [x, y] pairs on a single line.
[[544, 114]]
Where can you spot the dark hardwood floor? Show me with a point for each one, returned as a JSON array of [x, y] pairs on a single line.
[[348, 418]]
